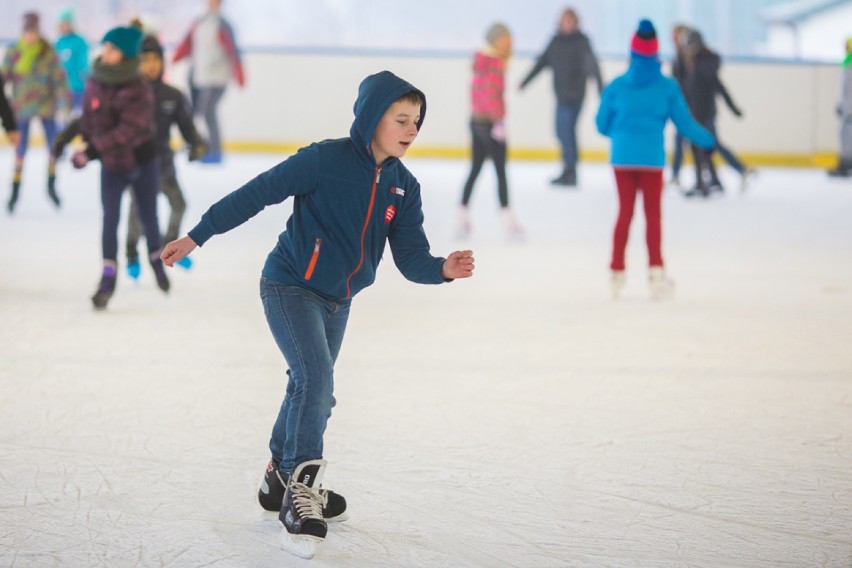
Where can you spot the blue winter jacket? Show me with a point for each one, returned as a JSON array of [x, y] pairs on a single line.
[[634, 110], [345, 207]]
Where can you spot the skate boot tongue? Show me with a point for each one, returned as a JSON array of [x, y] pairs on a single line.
[[310, 473]]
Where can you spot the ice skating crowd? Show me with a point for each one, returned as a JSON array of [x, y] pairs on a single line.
[[352, 195]]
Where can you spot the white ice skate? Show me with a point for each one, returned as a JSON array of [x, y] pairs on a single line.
[[617, 283], [662, 286]]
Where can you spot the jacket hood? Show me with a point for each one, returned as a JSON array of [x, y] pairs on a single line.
[[375, 95], [643, 70]]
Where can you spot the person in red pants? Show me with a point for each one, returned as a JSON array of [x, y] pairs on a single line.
[[633, 113]]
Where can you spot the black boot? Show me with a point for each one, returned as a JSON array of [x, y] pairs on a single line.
[[301, 511], [842, 169], [160, 274], [568, 178], [16, 189], [51, 190], [105, 290], [271, 495]]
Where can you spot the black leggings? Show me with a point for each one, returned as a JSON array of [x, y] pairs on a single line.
[[486, 146], [143, 181]]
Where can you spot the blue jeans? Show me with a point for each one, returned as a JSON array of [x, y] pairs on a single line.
[[206, 104], [308, 330], [23, 125], [566, 132]]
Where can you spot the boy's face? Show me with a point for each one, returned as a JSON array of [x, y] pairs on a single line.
[[150, 65], [396, 131]]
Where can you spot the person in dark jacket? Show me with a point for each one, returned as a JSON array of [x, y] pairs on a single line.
[[351, 196], [569, 55], [170, 108], [701, 84], [118, 127], [7, 116]]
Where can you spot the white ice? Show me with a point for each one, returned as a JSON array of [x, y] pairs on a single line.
[[518, 419]]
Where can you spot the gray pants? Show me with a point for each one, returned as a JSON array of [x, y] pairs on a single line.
[[846, 138], [170, 188], [206, 104]]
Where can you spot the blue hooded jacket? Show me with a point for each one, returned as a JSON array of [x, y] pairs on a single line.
[[634, 110], [345, 207]]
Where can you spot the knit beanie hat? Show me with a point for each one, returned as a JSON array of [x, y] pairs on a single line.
[[31, 22], [644, 42], [127, 39], [66, 16], [150, 44], [495, 32]]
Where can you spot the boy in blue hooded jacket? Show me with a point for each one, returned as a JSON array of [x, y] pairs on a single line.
[[351, 195], [633, 113]]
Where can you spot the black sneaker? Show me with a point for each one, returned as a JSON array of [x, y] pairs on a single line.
[[105, 290], [274, 484]]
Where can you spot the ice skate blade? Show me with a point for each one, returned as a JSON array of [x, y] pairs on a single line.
[[344, 516], [303, 546]]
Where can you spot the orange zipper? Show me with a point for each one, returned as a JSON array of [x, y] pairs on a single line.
[[364, 230], [313, 263]]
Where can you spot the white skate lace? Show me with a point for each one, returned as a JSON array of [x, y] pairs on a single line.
[[307, 501]]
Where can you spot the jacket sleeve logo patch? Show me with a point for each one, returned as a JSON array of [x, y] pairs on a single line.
[[397, 191], [389, 213]]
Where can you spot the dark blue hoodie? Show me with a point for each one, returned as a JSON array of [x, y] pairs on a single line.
[[345, 207]]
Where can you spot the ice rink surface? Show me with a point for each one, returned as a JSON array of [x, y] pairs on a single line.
[[522, 418]]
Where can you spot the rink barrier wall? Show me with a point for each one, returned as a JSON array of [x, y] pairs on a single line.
[[294, 97]]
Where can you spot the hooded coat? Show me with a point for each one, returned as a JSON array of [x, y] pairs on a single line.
[[634, 110], [345, 207]]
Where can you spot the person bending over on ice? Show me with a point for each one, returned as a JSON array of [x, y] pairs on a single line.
[[350, 197]]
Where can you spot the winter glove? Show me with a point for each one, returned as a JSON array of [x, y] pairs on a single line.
[[498, 131], [197, 150], [80, 159], [737, 112]]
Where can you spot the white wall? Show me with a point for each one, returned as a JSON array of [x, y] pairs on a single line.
[[299, 98]]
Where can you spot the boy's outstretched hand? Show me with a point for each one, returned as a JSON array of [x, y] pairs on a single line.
[[458, 265], [176, 250]]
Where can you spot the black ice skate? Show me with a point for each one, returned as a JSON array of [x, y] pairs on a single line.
[[301, 511], [104, 292], [274, 483]]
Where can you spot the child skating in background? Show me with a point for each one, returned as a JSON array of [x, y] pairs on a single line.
[[170, 108], [39, 89], [350, 197], [633, 113], [117, 126], [487, 124]]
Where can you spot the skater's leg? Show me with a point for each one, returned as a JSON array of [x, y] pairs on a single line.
[[627, 182], [134, 229], [171, 189], [112, 187], [652, 192], [309, 331], [145, 186], [480, 137]]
